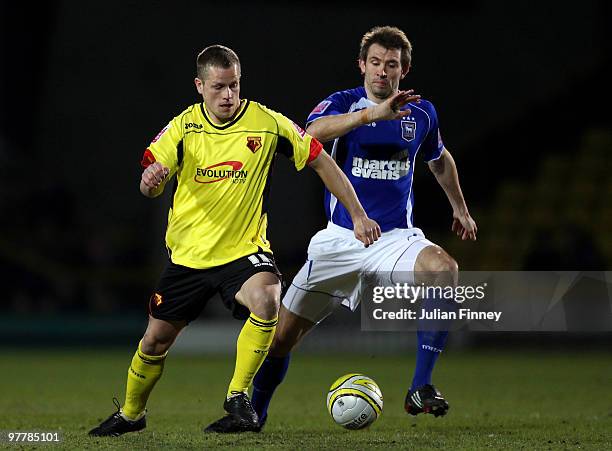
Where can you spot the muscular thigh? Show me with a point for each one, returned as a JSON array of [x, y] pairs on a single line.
[[242, 279], [261, 294], [181, 293]]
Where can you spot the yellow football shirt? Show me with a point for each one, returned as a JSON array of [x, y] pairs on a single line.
[[219, 205]]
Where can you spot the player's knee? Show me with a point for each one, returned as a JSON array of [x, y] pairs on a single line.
[[155, 342], [265, 301], [151, 345], [447, 264], [447, 270], [441, 269]]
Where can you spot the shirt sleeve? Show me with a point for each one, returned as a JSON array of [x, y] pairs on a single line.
[[432, 145], [334, 104], [295, 143], [166, 146]]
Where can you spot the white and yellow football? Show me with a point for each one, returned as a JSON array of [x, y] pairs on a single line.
[[354, 401]]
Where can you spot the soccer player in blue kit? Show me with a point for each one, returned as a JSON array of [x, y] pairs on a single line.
[[377, 131]]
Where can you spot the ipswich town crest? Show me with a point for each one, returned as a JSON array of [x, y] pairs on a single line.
[[408, 130]]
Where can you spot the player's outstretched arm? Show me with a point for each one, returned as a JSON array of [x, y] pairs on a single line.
[[152, 178], [445, 171], [331, 127], [366, 230]]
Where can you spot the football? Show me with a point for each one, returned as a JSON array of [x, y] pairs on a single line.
[[354, 401]]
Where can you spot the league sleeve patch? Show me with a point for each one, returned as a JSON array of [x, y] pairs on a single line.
[[147, 159], [299, 129], [160, 134], [321, 107]]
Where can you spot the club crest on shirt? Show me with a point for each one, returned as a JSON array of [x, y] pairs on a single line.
[[156, 299], [254, 143], [408, 130]]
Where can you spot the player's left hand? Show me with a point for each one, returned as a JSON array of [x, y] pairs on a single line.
[[464, 226], [366, 230], [390, 109]]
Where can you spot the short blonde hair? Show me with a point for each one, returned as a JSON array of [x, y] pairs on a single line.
[[218, 56]]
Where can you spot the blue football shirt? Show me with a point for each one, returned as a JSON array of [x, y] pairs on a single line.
[[378, 158]]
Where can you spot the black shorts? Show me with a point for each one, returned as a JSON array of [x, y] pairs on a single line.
[[182, 293]]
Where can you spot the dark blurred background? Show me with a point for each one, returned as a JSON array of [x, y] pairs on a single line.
[[522, 91]]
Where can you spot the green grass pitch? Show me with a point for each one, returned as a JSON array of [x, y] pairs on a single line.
[[498, 401]]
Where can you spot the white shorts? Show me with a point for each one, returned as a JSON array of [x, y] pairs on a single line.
[[338, 264]]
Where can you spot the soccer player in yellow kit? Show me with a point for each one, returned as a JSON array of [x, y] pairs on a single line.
[[222, 152]]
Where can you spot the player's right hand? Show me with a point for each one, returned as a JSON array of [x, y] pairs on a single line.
[[464, 226], [390, 109], [366, 230], [154, 174]]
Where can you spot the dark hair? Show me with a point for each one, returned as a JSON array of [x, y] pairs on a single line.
[[218, 56], [389, 38]]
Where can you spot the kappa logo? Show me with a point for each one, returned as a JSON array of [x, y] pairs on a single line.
[[408, 130], [254, 143]]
